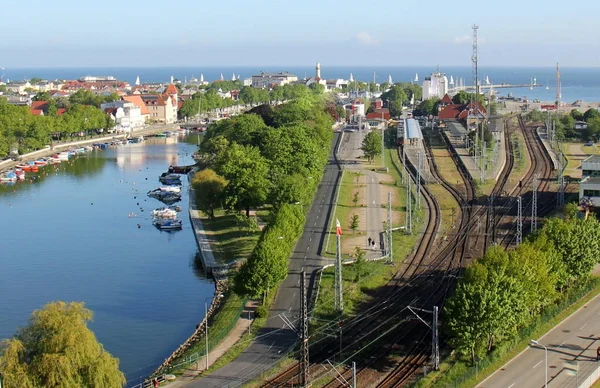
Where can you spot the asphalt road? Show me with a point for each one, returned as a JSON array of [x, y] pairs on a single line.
[[277, 336], [571, 346]]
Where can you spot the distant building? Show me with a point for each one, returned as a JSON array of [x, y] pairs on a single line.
[[162, 107], [18, 87], [436, 85], [269, 79], [589, 186]]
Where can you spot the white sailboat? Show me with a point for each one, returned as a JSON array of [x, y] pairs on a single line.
[[351, 78], [137, 81], [233, 77], [390, 79], [238, 77], [451, 80], [172, 79], [222, 78], [547, 87], [201, 78], [531, 85], [487, 80], [416, 77]]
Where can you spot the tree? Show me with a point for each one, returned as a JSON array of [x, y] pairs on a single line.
[[463, 98], [57, 349], [41, 96], [247, 172], [355, 198], [395, 98], [577, 115], [354, 223], [591, 113], [427, 107], [209, 188], [371, 145], [359, 264]]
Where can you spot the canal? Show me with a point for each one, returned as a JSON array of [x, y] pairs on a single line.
[[71, 233]]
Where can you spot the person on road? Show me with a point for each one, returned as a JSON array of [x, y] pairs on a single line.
[[598, 354], [155, 383]]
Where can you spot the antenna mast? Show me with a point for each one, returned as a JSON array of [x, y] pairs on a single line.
[[558, 92]]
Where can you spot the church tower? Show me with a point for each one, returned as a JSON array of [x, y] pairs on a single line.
[[318, 70]]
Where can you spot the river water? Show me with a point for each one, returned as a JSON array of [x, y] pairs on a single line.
[[70, 233]]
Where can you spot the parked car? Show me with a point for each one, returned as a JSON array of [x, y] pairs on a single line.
[[588, 143]]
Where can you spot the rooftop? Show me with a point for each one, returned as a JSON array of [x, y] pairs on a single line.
[[413, 129], [592, 159]]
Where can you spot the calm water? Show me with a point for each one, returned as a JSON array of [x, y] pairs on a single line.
[[577, 83], [68, 235]]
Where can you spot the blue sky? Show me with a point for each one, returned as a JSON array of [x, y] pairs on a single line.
[[261, 32]]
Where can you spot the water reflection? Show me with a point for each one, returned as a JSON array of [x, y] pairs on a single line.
[[74, 236]]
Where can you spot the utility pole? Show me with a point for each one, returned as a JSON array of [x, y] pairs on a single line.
[[558, 91], [435, 348], [419, 167], [339, 301], [389, 227], [474, 111], [483, 164], [408, 208], [353, 375], [519, 220], [534, 205], [303, 331], [561, 191]]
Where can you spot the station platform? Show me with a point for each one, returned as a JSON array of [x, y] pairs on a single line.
[[412, 155], [495, 160], [543, 135]]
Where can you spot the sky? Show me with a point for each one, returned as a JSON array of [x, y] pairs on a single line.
[[75, 33]]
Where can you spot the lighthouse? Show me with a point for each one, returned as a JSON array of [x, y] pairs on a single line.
[[318, 70]]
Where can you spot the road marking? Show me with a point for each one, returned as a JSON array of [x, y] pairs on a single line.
[[304, 257], [561, 344], [310, 239], [581, 328], [274, 342], [533, 366], [510, 386], [373, 202], [308, 248], [295, 296]]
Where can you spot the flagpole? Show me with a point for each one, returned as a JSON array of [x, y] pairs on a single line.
[[339, 301]]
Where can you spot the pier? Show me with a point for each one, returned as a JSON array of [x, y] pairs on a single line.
[[493, 86]]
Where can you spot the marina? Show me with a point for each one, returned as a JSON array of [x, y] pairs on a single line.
[[96, 242]]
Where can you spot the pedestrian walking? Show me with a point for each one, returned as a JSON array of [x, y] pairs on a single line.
[[155, 383]]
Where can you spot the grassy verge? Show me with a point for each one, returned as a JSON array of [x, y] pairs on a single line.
[[457, 373], [359, 287], [231, 242], [219, 327], [522, 160]]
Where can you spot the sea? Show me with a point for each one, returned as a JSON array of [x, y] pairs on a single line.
[[576, 83]]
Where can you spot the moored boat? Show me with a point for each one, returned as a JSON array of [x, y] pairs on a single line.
[[8, 177], [19, 173], [168, 224], [41, 162], [164, 213]]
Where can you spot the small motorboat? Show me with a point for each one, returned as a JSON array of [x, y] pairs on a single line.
[[170, 189], [8, 177], [168, 176], [41, 162], [168, 224], [19, 173], [164, 213], [64, 155], [89, 148]]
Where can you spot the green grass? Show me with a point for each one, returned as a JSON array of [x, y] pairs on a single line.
[[457, 373], [357, 294], [231, 241], [219, 327]]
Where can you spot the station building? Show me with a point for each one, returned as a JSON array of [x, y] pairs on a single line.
[[589, 186]]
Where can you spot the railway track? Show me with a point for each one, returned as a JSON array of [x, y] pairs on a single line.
[[383, 316]]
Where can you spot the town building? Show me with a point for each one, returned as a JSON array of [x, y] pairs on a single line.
[[436, 85], [18, 87], [269, 79], [317, 78], [126, 115], [470, 114], [589, 186]]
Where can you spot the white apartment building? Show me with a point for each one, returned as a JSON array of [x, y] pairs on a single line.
[[436, 85]]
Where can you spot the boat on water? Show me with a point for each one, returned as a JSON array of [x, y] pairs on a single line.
[[65, 155], [28, 167], [168, 224], [181, 169], [41, 162], [164, 212], [19, 173], [8, 177]]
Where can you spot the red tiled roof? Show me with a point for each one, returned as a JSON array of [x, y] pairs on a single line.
[[451, 111], [39, 105], [171, 89], [37, 112], [446, 99], [137, 101], [61, 111]]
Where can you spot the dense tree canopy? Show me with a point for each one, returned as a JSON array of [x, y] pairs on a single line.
[[427, 107], [57, 350], [209, 187], [22, 130], [504, 291]]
